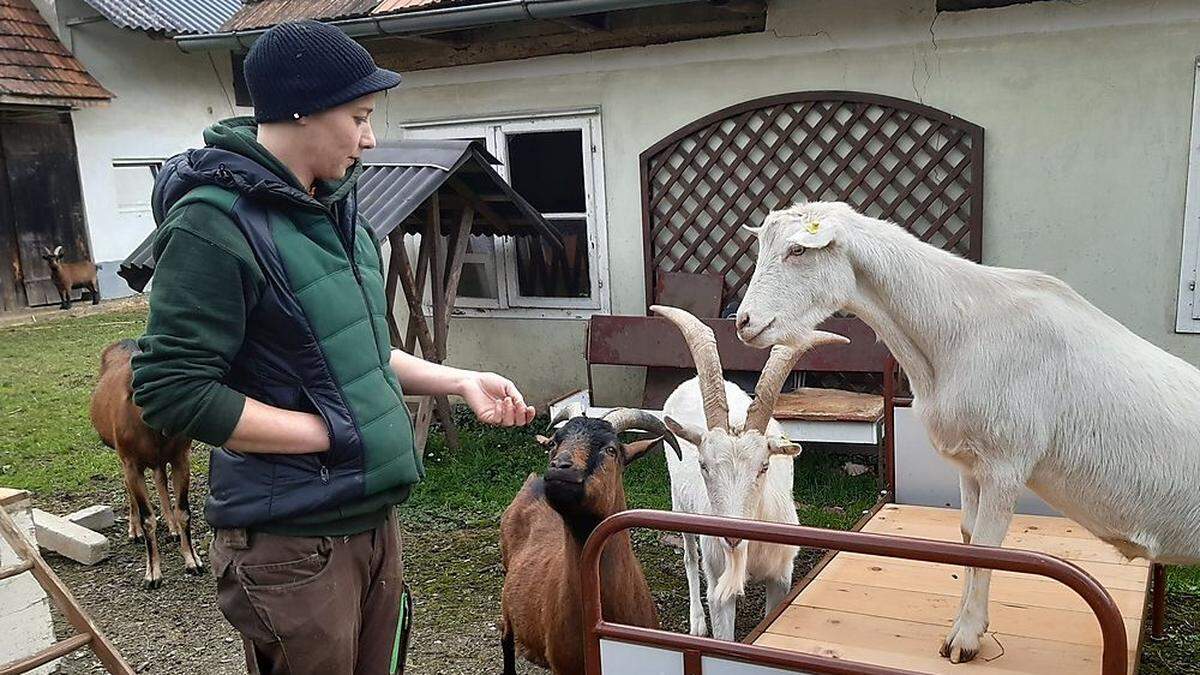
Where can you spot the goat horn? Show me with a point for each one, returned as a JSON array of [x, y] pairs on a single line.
[[570, 410], [57, 250], [781, 362], [623, 419], [702, 343]]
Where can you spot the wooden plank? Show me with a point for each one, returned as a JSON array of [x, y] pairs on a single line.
[[1055, 526], [914, 647], [454, 271], [61, 597], [828, 405], [1006, 586], [433, 231], [1069, 548], [57, 650], [410, 339], [12, 290], [654, 341], [1005, 618], [396, 240], [699, 294], [10, 496]]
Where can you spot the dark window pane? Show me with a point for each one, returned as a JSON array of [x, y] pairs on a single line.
[[546, 168], [544, 271]]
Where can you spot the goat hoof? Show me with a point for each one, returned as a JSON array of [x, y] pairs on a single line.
[[958, 648], [152, 582], [135, 538], [174, 536], [195, 571]]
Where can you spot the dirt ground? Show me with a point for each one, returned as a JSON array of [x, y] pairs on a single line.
[[452, 566]]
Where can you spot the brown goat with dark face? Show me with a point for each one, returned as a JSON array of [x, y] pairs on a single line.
[[543, 531], [119, 422], [68, 276]]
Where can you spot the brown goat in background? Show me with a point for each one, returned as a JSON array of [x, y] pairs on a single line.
[[119, 422], [68, 276]]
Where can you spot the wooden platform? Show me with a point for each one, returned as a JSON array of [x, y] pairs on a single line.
[[896, 612], [822, 405]]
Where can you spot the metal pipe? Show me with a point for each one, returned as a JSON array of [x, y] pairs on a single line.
[[1112, 626], [434, 20]]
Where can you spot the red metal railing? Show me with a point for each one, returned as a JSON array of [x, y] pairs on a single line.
[[1112, 628]]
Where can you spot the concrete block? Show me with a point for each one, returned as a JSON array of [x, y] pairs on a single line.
[[68, 539], [98, 517]]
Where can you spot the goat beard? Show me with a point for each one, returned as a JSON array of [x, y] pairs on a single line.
[[732, 582]]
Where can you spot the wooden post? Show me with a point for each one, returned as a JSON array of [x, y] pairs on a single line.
[[396, 240], [453, 274], [1158, 614], [410, 340], [433, 232]]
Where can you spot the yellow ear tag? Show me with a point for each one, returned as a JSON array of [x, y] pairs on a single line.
[[813, 227]]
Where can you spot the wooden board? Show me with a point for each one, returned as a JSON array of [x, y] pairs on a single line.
[[896, 612], [10, 496], [828, 405]]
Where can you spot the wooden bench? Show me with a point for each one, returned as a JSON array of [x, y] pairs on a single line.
[[814, 415]]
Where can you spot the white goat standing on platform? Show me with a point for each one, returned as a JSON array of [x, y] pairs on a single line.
[[735, 462], [1017, 379]]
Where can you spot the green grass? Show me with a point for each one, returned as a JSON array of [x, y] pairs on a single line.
[[478, 480], [47, 371], [47, 445]]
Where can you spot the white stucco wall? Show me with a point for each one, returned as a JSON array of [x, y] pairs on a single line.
[[1086, 108], [164, 100]]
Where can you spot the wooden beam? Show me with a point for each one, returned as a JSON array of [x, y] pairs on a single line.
[[396, 240], [437, 260], [433, 39], [66, 603], [422, 266], [581, 24], [454, 271], [488, 212], [965, 5], [420, 329], [437, 267], [55, 651]]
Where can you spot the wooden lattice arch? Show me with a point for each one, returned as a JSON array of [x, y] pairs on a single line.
[[888, 157]]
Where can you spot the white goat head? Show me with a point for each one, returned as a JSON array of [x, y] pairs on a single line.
[[734, 459], [802, 275]]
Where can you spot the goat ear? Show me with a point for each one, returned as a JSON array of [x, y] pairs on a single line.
[[636, 449], [779, 445], [57, 250], [47, 250], [687, 432], [813, 234]]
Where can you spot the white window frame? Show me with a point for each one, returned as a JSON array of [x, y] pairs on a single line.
[[510, 303], [1187, 316]]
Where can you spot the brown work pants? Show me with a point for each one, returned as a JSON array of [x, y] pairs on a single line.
[[327, 605]]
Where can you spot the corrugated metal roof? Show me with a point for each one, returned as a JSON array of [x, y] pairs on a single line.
[[168, 16], [397, 179], [270, 12], [35, 67]]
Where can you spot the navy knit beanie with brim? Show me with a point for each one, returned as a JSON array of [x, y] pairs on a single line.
[[303, 67]]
